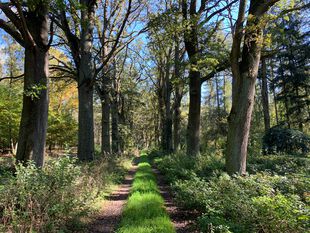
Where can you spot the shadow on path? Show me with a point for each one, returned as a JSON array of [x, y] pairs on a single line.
[[109, 217]]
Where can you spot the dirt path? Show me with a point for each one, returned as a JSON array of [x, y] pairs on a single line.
[[182, 220], [110, 214]]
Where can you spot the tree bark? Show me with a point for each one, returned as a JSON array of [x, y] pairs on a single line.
[[192, 48], [86, 124], [193, 127], [33, 125], [264, 93], [115, 116], [168, 113], [244, 78], [105, 121], [177, 119], [85, 84]]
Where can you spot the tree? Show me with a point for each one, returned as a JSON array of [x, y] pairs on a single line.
[[79, 37], [292, 77], [28, 25], [244, 65], [116, 32], [194, 27], [265, 94]]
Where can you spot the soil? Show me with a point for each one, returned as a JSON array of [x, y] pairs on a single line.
[[183, 220], [109, 216]]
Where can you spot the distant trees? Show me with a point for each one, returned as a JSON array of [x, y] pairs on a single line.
[[292, 73]]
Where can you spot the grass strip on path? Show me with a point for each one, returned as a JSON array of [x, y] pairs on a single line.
[[145, 211]]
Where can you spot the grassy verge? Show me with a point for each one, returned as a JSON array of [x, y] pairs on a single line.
[[145, 212]]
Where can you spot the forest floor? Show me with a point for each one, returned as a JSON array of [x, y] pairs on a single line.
[[109, 217], [183, 220], [110, 214]]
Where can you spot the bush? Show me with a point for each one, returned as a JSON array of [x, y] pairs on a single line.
[[242, 204], [181, 166], [278, 164], [45, 200], [279, 139], [274, 199]]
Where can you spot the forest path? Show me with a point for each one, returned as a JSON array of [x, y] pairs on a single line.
[[109, 217], [182, 220]]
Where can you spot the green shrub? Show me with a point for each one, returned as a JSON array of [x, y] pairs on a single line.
[[48, 199], [243, 204], [176, 166], [41, 199], [181, 166], [279, 139], [278, 164]]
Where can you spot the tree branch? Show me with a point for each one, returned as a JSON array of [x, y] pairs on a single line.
[[12, 31]]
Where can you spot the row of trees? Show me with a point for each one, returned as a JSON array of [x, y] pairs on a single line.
[[188, 44], [35, 26], [194, 42]]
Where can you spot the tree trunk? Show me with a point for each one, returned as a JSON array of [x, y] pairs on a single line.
[[105, 127], [86, 123], [264, 93], [168, 113], [177, 119], [115, 133], [33, 125], [85, 84], [193, 127], [244, 69], [239, 122], [178, 94]]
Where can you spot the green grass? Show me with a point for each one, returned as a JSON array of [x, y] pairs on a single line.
[[144, 211]]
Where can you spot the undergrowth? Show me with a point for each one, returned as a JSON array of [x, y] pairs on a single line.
[[56, 197], [273, 198]]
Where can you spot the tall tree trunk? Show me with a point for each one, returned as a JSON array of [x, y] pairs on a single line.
[[85, 84], [168, 113], [105, 124], [115, 132], [244, 69], [264, 93], [86, 123], [33, 125], [193, 127], [177, 119], [178, 94], [192, 48]]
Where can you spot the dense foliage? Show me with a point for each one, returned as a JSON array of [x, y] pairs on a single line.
[[272, 199], [52, 199], [279, 139]]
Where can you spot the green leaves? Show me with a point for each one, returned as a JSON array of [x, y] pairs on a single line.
[[34, 91]]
